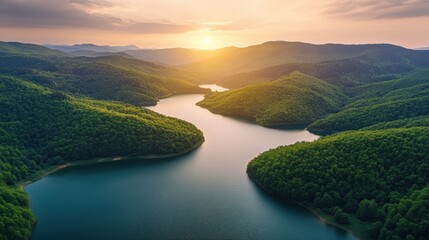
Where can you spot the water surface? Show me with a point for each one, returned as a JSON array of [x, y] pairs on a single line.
[[205, 194]]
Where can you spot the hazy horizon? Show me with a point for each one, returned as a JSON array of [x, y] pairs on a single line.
[[214, 24], [202, 49]]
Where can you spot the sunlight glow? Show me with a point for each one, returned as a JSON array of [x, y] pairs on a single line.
[[207, 41]]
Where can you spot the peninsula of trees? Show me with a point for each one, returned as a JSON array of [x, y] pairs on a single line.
[[48, 119]]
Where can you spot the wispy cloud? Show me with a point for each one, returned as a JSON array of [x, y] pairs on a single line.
[[225, 25], [382, 9], [75, 14]]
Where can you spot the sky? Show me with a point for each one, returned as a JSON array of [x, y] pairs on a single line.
[[214, 24]]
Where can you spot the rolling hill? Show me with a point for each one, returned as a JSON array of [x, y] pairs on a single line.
[[106, 78], [344, 73], [371, 175], [92, 48], [374, 182], [378, 103], [40, 128], [177, 56], [17, 48], [294, 100], [383, 56]]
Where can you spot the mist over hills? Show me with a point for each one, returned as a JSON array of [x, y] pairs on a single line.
[[91, 47], [178, 56], [275, 53], [224, 65]]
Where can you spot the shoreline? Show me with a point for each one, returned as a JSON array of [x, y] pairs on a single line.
[[322, 217], [51, 169], [251, 119], [326, 221]]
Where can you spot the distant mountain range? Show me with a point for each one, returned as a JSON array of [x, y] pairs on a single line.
[[178, 56], [233, 66], [235, 59], [91, 47]]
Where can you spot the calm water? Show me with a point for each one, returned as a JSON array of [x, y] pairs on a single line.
[[205, 194]]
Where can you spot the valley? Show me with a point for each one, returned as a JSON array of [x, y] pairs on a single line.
[[367, 173]]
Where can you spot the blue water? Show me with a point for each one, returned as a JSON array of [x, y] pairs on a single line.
[[205, 194]]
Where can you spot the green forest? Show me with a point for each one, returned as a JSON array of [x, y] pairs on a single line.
[[377, 176], [104, 78], [294, 100], [47, 119], [401, 100], [370, 174], [342, 65], [41, 128]]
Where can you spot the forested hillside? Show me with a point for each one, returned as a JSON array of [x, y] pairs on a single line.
[[17, 48], [105, 78], [358, 62], [343, 73], [380, 177], [40, 127], [401, 100], [294, 100], [373, 180], [371, 175]]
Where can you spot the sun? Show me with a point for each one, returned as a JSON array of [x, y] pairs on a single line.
[[207, 42]]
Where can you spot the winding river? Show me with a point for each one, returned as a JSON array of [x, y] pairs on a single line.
[[204, 194]]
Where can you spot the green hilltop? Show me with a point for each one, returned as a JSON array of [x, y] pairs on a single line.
[[344, 62], [49, 116], [371, 177], [369, 181], [370, 174], [399, 100], [41, 128], [294, 100], [104, 78]]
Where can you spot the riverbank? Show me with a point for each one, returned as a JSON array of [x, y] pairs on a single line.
[[253, 119], [46, 171], [356, 227]]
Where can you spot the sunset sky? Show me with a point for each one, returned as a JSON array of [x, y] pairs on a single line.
[[214, 24]]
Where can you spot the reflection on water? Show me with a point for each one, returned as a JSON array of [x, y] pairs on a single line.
[[214, 87], [205, 194]]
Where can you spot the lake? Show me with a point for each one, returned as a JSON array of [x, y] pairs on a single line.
[[205, 194]]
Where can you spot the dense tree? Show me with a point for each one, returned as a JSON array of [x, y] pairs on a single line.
[[378, 173], [367, 210], [44, 126], [339, 216], [369, 174], [342, 65], [105, 78], [40, 128], [295, 100], [403, 102]]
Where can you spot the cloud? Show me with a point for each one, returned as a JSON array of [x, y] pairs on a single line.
[[75, 14], [226, 25], [148, 27], [382, 9]]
